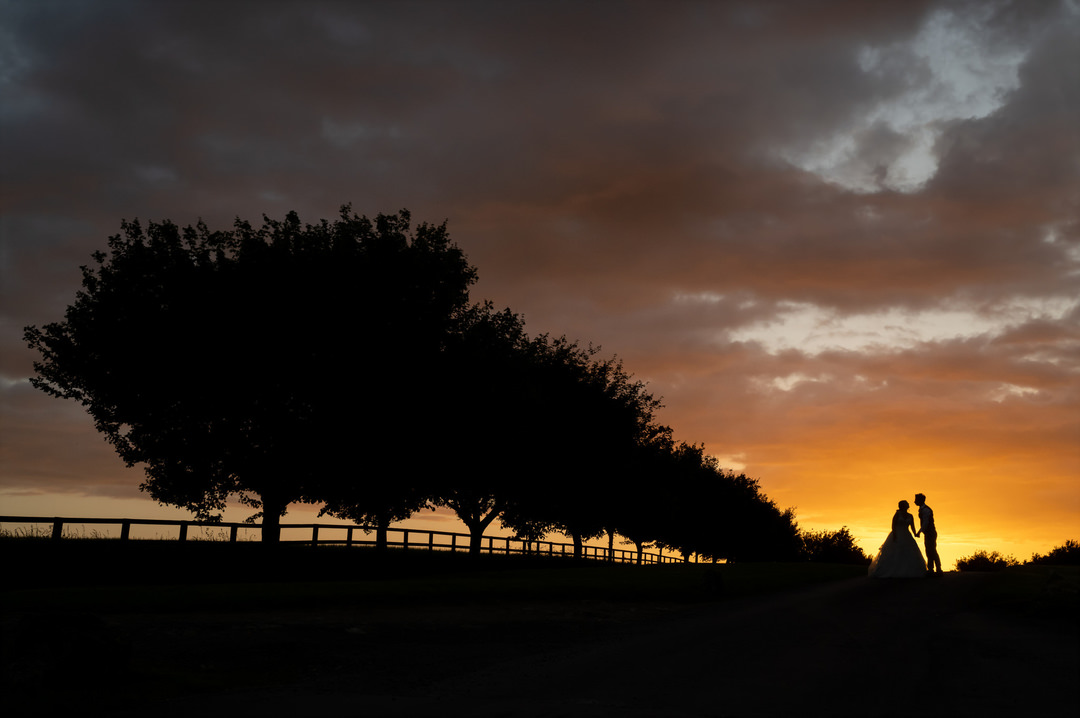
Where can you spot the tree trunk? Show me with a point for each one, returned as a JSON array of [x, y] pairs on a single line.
[[640, 551], [381, 540], [476, 527], [272, 510], [611, 545], [476, 538], [578, 546]]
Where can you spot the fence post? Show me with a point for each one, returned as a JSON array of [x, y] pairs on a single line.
[[431, 541], [507, 545], [125, 530], [232, 533], [57, 529], [183, 530], [314, 535], [405, 539], [453, 543], [348, 537]]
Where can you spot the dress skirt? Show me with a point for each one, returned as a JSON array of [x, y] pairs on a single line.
[[898, 559]]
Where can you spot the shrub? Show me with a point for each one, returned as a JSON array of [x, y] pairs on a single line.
[[1067, 555], [983, 561], [832, 547]]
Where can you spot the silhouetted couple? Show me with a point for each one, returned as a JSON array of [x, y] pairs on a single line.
[[899, 556]]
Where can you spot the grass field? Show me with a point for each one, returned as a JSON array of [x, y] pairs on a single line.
[[107, 576]]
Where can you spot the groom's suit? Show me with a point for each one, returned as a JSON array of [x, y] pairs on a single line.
[[929, 532]]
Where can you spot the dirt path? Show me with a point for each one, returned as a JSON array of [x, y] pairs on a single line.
[[851, 648], [930, 647], [855, 647]]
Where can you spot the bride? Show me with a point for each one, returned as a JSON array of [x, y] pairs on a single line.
[[899, 556]]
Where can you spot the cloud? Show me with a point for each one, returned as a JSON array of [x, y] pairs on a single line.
[[956, 67]]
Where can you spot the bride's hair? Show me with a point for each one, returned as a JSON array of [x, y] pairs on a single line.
[[903, 504]]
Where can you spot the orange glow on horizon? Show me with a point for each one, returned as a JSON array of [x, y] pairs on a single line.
[[962, 530]]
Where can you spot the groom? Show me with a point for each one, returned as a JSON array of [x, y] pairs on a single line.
[[929, 532]]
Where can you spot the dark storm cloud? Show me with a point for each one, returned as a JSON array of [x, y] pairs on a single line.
[[638, 175]]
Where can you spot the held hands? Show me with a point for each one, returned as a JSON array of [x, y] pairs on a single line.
[[917, 533]]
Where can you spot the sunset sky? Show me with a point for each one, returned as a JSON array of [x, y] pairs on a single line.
[[841, 240]]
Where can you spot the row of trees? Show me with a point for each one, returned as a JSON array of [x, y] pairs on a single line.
[[1068, 554], [343, 363]]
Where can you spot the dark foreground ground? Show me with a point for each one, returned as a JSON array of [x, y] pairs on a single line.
[[965, 644]]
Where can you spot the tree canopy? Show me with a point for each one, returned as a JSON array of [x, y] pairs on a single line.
[[266, 363], [588, 418], [534, 416], [833, 547]]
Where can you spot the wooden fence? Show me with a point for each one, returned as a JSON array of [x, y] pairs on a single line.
[[356, 535]]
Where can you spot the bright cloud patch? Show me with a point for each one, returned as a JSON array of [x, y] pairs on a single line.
[[813, 330], [1006, 391], [789, 382], [953, 69]]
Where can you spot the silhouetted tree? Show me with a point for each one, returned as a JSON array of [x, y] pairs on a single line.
[[695, 508], [587, 417], [279, 364], [983, 560], [481, 444], [533, 419], [655, 505], [833, 547], [774, 534], [682, 501], [631, 516], [710, 517], [376, 503], [1068, 554], [531, 535]]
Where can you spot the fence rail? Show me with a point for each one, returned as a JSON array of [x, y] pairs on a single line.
[[357, 535]]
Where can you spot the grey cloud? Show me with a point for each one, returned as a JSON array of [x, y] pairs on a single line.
[[642, 126]]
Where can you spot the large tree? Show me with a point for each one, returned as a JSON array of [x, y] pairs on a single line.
[[482, 443], [275, 364], [692, 506], [539, 426], [658, 487], [587, 419]]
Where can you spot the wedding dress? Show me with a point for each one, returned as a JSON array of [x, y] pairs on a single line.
[[899, 556]]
